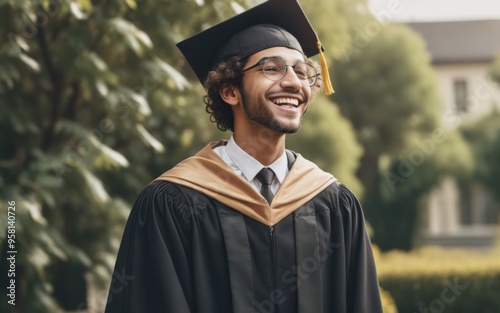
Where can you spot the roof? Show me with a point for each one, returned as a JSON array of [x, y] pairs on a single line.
[[460, 41]]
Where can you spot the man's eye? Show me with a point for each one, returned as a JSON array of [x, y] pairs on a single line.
[[271, 69], [301, 74]]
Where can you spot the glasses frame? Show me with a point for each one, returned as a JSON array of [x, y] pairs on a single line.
[[305, 82]]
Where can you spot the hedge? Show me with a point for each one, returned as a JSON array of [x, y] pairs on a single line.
[[433, 280]]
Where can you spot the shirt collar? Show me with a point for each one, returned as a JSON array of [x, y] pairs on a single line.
[[250, 167]]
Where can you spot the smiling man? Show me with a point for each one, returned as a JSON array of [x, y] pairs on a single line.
[[246, 226]]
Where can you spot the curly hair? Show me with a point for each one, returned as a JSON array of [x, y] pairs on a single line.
[[229, 72]]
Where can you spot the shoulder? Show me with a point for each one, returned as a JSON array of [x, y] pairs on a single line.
[[341, 192], [163, 200], [347, 199], [161, 193], [341, 199]]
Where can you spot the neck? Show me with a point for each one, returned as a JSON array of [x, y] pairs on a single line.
[[266, 146]]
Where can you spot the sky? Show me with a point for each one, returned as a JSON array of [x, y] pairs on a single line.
[[435, 10]]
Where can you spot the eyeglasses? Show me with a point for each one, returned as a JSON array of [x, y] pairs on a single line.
[[274, 68]]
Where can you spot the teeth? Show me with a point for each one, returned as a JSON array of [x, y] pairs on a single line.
[[291, 101]]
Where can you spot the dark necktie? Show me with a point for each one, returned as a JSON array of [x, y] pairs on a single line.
[[266, 176]]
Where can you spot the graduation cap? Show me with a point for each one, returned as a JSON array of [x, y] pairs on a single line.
[[270, 24]]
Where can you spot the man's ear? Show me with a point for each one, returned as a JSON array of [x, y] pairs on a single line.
[[230, 94]]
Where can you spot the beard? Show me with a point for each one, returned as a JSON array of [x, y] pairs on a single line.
[[261, 114]]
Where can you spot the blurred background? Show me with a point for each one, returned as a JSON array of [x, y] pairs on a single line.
[[96, 101]]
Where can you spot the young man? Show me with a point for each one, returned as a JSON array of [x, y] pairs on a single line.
[[246, 226]]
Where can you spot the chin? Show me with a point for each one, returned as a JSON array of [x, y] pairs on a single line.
[[283, 129]]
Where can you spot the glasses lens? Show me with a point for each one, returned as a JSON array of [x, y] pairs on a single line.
[[306, 73], [275, 69]]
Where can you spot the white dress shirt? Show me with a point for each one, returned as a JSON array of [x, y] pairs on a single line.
[[247, 167]]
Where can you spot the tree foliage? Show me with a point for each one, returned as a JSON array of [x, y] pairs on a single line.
[[483, 136], [86, 90], [409, 178], [495, 69], [388, 90], [333, 21]]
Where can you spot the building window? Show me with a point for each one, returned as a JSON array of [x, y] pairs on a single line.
[[460, 89]]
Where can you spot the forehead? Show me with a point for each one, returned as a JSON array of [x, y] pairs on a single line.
[[287, 54]]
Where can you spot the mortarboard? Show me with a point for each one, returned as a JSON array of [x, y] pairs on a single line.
[[270, 24]]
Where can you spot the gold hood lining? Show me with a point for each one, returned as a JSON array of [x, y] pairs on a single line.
[[207, 173]]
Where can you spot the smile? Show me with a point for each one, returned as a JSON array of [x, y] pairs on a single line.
[[286, 101]]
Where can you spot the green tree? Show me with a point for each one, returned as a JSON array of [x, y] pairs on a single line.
[[388, 90], [495, 69], [483, 136], [407, 180], [86, 87], [334, 21]]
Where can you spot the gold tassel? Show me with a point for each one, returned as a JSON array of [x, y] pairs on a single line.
[[324, 71]]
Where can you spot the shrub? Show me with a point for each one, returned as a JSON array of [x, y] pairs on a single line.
[[437, 280]]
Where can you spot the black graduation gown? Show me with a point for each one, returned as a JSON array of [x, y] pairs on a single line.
[[186, 252]]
